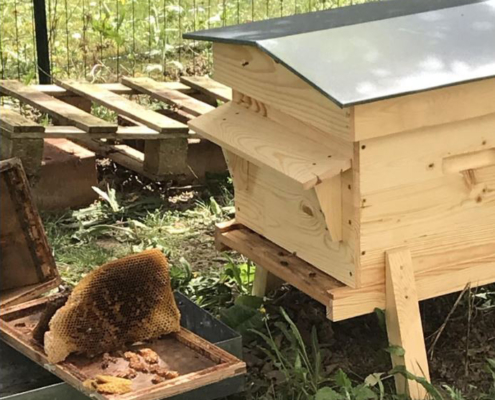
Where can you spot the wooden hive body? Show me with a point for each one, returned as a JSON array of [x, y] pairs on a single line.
[[415, 171]]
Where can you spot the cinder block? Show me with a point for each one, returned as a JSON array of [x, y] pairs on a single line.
[[67, 174]]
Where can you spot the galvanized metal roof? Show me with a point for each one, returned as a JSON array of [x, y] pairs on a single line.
[[374, 51]]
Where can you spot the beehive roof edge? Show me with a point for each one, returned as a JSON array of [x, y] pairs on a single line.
[[377, 50]]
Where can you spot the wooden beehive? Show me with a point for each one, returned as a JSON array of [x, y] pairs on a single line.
[[339, 178], [361, 142]]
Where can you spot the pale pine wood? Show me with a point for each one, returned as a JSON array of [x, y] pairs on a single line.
[[64, 113], [349, 303], [404, 326], [329, 194], [278, 261], [208, 86], [126, 107], [14, 122], [238, 168], [161, 92], [279, 209], [266, 143], [305, 130], [256, 74], [426, 109], [413, 191]]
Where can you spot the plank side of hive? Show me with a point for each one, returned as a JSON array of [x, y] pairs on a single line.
[[422, 176]]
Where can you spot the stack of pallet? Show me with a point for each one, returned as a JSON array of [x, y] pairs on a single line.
[[166, 136]]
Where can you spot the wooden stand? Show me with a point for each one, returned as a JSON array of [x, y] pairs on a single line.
[[402, 301]]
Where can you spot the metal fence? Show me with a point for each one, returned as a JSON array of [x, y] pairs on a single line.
[[101, 40]]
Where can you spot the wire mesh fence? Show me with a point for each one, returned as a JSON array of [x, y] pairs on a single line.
[[101, 40]]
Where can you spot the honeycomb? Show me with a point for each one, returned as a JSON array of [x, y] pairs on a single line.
[[124, 301]]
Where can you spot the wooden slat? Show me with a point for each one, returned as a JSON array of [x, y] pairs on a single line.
[[117, 88], [14, 122], [349, 303], [266, 143], [161, 92], [64, 113], [126, 107], [279, 262], [208, 86], [426, 109], [71, 132]]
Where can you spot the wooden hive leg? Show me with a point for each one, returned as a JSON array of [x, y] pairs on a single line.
[[165, 157], [404, 322], [264, 282]]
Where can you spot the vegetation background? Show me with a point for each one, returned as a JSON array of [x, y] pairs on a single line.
[[100, 40]]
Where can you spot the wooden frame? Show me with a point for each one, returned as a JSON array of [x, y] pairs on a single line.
[[28, 267], [225, 365]]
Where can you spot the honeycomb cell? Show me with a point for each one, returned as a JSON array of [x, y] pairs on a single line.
[[124, 301]]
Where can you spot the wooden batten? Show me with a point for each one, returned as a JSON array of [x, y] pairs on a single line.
[[329, 194], [254, 73], [268, 144]]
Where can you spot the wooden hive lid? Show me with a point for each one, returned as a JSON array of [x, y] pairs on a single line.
[[27, 267], [370, 52]]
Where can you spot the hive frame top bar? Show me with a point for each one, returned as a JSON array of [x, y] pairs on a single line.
[[374, 51]]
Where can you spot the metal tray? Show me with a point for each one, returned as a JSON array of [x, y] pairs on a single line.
[[22, 379]]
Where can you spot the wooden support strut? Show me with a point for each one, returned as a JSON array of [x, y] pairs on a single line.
[[404, 322]]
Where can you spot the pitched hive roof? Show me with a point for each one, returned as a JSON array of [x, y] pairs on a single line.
[[373, 51]]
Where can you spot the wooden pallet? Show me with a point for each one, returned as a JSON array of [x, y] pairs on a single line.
[[165, 132]]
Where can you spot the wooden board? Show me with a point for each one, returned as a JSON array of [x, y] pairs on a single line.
[[199, 362], [279, 209], [71, 132], [28, 268], [126, 107], [404, 326], [268, 144], [160, 91], [428, 109], [254, 73], [117, 88], [277, 261], [208, 86], [343, 302], [414, 192], [64, 113], [14, 122]]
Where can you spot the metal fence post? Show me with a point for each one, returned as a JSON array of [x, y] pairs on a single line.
[[42, 48]]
